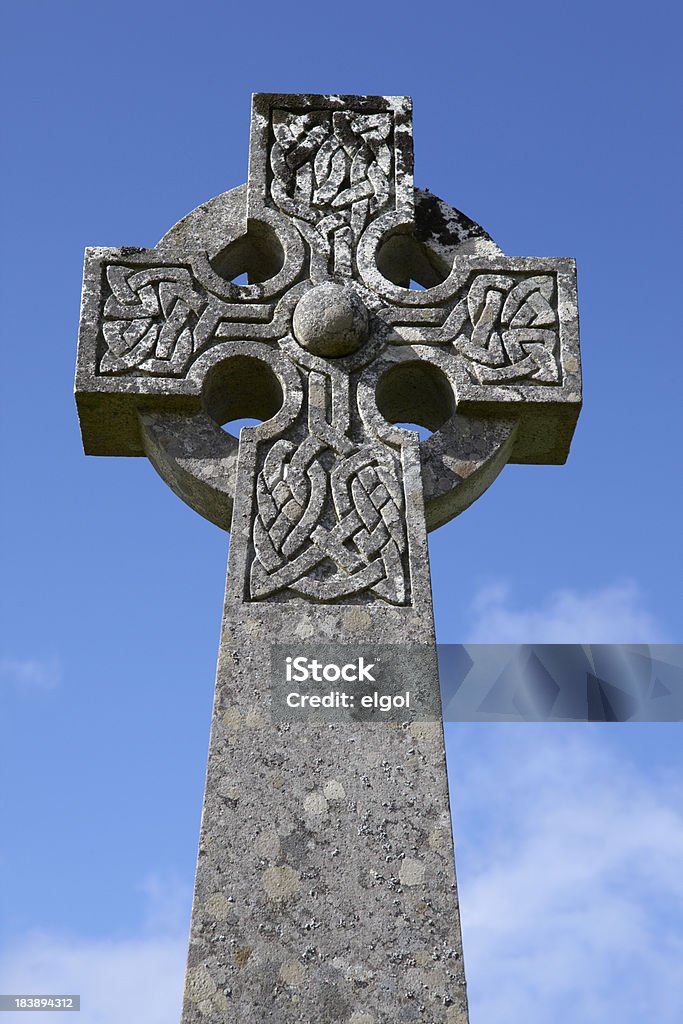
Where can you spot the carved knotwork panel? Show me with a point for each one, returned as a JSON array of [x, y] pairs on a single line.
[[504, 327], [332, 169], [151, 320], [157, 319], [500, 327], [329, 524]]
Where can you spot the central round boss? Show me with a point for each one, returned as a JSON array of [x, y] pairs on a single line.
[[331, 320]]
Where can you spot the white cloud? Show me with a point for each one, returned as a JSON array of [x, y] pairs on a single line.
[[31, 673], [610, 615], [120, 980], [571, 882]]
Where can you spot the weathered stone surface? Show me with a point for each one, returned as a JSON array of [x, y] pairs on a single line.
[[325, 882], [330, 320]]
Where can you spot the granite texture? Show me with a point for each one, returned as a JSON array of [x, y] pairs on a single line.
[[325, 880]]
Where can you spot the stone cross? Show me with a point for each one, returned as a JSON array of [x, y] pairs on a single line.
[[325, 888]]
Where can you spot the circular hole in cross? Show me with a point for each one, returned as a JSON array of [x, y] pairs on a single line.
[[416, 395], [241, 391], [408, 263], [251, 259]]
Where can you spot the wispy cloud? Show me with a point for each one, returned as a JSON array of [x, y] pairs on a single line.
[[569, 862], [31, 673], [135, 978], [610, 615]]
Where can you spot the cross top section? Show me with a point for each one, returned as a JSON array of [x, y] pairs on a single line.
[[334, 165], [330, 344]]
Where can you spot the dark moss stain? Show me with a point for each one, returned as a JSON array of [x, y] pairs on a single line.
[[430, 223], [403, 144]]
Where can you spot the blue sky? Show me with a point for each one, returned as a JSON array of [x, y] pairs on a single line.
[[557, 127]]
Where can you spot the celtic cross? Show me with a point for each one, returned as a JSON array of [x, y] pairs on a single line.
[[325, 883]]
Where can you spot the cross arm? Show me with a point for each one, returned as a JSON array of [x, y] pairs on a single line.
[[153, 324], [507, 336]]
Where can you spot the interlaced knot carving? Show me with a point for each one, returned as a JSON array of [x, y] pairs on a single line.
[[332, 169], [504, 328], [149, 320], [513, 329], [158, 319], [363, 549]]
